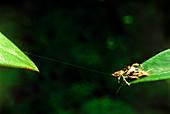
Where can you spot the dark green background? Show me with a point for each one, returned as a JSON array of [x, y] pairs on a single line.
[[97, 34]]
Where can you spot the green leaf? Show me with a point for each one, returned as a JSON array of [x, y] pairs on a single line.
[[12, 56], [161, 67]]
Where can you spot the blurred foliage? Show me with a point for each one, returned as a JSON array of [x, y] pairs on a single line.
[[93, 34], [105, 106], [128, 19]]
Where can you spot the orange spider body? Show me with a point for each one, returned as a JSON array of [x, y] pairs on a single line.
[[131, 72]]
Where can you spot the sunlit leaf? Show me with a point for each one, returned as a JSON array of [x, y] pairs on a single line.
[[12, 56], [161, 67]]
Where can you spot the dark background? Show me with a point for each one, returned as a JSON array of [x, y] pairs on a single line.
[[97, 34]]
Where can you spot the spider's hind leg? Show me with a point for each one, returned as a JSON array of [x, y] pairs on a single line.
[[149, 70]]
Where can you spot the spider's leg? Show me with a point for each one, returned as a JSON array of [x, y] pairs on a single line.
[[149, 70], [119, 78], [134, 77], [135, 65], [141, 66], [125, 81]]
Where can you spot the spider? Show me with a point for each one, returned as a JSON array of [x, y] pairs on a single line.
[[131, 72]]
